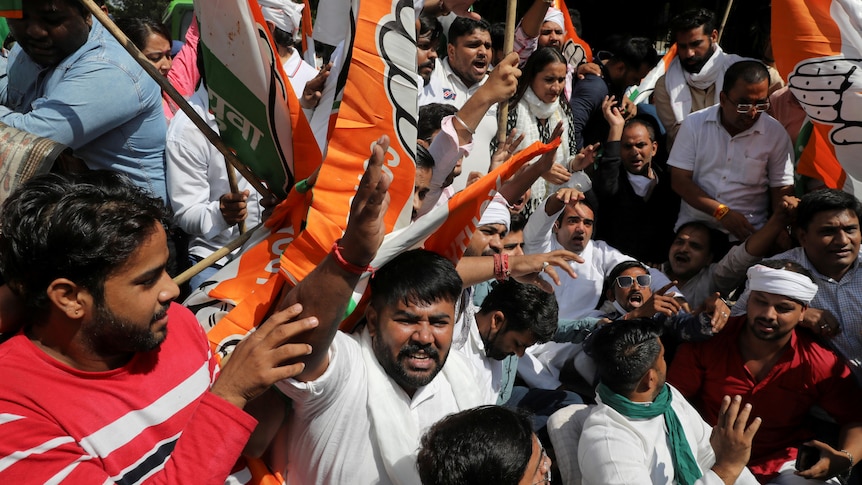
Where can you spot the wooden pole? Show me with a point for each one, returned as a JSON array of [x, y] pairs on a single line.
[[508, 46], [217, 255], [230, 159], [723, 20]]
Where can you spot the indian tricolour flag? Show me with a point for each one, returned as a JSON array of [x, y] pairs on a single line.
[[11, 9], [817, 46], [257, 112], [644, 90]]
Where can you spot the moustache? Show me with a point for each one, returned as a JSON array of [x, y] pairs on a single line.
[[414, 348], [162, 314]]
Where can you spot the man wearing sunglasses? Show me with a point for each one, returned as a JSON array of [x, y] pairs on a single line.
[[726, 156]]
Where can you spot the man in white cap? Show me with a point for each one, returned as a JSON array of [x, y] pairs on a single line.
[[283, 17], [783, 373]]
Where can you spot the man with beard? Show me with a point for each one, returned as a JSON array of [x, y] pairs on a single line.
[[378, 390], [728, 155], [694, 78], [634, 193], [109, 381], [428, 32], [827, 227], [457, 78], [783, 372]]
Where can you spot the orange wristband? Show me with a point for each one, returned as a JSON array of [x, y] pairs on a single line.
[[720, 211]]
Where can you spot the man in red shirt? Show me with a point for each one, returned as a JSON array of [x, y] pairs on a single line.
[[782, 372]]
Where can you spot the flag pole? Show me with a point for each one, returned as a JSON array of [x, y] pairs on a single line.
[[724, 20], [230, 159], [508, 46], [215, 256]]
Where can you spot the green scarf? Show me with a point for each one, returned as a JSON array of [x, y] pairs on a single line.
[[684, 465]]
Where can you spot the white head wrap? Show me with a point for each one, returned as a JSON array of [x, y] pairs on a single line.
[[285, 14], [555, 16], [781, 282], [497, 212]]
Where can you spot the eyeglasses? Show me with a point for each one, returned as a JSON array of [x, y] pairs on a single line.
[[745, 108], [643, 280], [546, 465]]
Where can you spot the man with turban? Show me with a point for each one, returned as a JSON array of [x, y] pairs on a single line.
[[782, 372]]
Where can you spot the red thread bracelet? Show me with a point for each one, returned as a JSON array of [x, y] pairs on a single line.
[[345, 264]]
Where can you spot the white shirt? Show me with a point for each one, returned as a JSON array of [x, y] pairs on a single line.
[[734, 170], [614, 449], [446, 87], [330, 433], [489, 371], [197, 177], [299, 72]]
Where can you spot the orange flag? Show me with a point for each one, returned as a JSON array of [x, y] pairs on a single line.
[[818, 48]]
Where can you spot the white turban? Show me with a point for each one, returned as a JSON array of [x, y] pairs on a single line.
[[497, 212], [285, 14], [781, 282], [555, 16]]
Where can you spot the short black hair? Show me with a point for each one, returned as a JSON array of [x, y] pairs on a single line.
[[518, 222], [462, 26], [624, 351], [415, 276], [691, 19], [430, 24], [498, 35], [750, 71], [648, 126], [83, 227], [283, 38], [634, 52], [487, 444], [526, 307], [824, 200], [430, 117], [424, 158]]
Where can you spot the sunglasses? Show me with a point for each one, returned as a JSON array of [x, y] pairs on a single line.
[[643, 280]]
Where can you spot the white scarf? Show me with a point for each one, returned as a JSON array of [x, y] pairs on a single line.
[[539, 108], [677, 80], [395, 432]]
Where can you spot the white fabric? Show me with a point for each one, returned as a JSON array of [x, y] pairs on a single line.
[[642, 185], [734, 170], [677, 80], [197, 177], [526, 125], [446, 87], [556, 16], [497, 212], [781, 282], [332, 437], [614, 449], [298, 72], [489, 371], [446, 152], [285, 14], [538, 108], [564, 429]]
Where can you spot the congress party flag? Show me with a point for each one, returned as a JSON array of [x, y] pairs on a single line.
[[256, 109], [644, 90], [575, 49], [817, 46], [307, 31]]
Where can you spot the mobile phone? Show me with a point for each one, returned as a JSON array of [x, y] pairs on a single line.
[[806, 457]]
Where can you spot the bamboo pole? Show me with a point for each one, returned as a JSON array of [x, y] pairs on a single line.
[[723, 21], [217, 255], [508, 46]]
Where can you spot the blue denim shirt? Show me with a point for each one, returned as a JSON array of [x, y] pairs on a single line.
[[99, 102]]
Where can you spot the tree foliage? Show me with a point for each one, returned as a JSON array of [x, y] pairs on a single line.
[[152, 9]]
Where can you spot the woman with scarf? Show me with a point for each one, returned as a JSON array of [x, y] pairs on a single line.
[[538, 110]]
